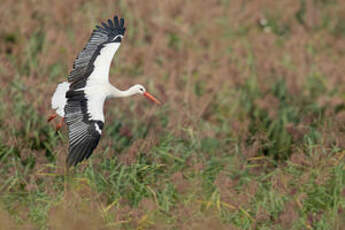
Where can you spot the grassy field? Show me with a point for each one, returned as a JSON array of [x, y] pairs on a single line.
[[251, 134]]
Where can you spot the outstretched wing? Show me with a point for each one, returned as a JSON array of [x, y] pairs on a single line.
[[86, 62], [84, 108], [84, 129]]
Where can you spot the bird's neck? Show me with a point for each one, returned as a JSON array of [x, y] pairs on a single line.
[[116, 93]]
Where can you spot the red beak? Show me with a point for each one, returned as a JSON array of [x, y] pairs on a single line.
[[152, 98]]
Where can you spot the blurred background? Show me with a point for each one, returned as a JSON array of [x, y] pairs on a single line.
[[251, 133]]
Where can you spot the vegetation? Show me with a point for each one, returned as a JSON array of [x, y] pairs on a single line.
[[251, 134]]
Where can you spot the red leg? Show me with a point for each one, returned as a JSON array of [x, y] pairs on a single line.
[[58, 126], [51, 117]]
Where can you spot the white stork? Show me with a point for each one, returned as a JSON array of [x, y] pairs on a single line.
[[80, 100]]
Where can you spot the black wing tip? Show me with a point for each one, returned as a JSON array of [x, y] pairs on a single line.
[[113, 27], [74, 159], [81, 152], [71, 162]]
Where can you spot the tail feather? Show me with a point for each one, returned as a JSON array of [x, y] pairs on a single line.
[[59, 98]]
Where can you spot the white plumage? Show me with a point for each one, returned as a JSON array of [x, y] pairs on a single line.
[[59, 98], [95, 96], [102, 64], [80, 101], [98, 129]]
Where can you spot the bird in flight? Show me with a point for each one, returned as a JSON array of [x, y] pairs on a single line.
[[80, 100]]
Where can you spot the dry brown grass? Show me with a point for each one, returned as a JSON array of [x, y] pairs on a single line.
[[200, 59]]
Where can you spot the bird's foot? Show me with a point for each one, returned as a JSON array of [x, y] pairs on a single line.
[[58, 126], [51, 117]]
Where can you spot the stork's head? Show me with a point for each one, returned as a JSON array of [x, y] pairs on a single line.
[[139, 89]]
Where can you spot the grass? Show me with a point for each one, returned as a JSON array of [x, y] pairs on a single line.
[[250, 135]]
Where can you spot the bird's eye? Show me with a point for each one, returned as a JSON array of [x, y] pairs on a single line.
[[141, 89]]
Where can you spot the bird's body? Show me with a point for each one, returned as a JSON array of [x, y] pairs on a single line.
[[80, 100]]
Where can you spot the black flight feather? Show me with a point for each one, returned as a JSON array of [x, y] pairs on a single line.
[[83, 65], [110, 22], [85, 133]]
